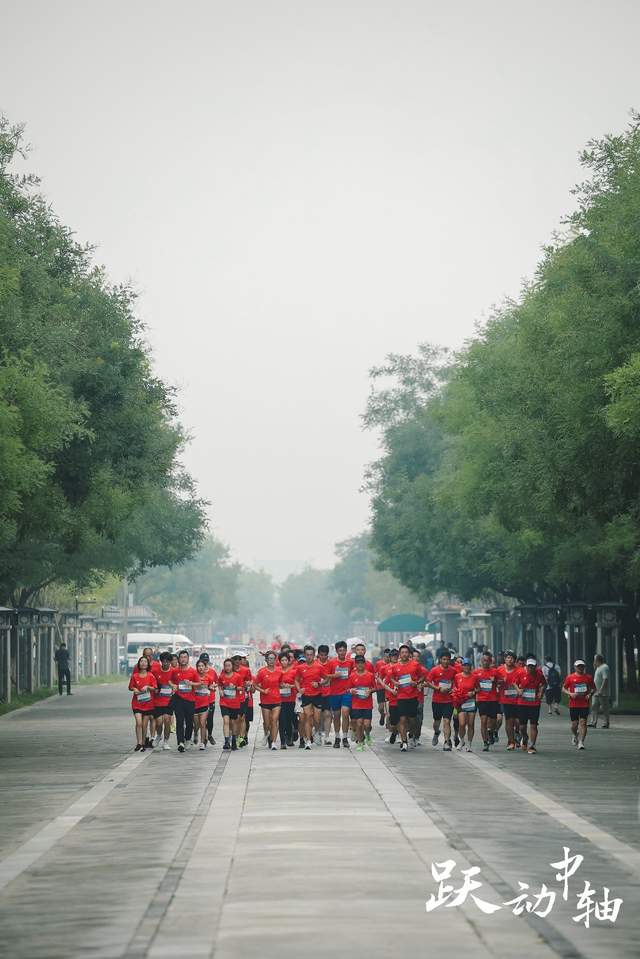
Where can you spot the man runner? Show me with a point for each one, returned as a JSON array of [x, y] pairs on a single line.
[[579, 687]]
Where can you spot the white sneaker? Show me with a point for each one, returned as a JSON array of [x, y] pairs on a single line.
[[265, 740], [574, 740], [387, 739], [166, 745], [307, 744], [469, 749], [273, 746], [580, 745], [461, 745], [201, 747], [403, 747], [158, 739]]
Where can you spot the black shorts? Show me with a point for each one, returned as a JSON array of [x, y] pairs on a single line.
[[442, 710], [488, 709], [578, 712], [393, 715], [511, 710], [326, 704], [552, 694], [159, 711], [270, 705], [529, 714], [408, 708], [361, 714], [201, 709], [144, 712], [380, 696], [231, 713], [315, 701]]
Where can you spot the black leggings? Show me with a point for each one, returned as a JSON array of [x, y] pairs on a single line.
[[183, 711], [285, 723], [212, 710]]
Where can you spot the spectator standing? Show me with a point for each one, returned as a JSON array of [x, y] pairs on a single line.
[[600, 700], [61, 658]]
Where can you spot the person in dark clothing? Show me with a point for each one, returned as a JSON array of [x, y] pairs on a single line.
[[61, 658]]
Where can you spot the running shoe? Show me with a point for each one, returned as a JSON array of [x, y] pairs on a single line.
[[581, 745], [158, 739], [447, 746], [181, 748], [241, 741], [201, 747], [307, 745], [144, 749], [283, 746], [234, 744], [417, 742], [531, 750], [387, 739], [212, 741], [360, 747], [404, 748], [382, 720], [461, 744], [392, 738], [485, 747], [336, 744], [327, 741], [301, 743], [469, 749], [455, 740], [523, 747], [345, 743], [227, 745], [511, 746], [138, 748], [265, 740], [435, 738], [574, 740], [273, 747], [166, 746]]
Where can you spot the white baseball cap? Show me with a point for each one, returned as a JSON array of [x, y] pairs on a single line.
[[579, 662], [531, 662]]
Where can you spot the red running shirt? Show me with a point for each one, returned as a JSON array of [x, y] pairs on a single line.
[[507, 679], [443, 679], [362, 686], [143, 699], [231, 689], [164, 691], [269, 679], [182, 677], [487, 684], [341, 670], [288, 689], [308, 674], [403, 675], [582, 685]]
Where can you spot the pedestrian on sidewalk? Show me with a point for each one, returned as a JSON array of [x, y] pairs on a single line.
[[552, 693], [61, 658], [600, 700]]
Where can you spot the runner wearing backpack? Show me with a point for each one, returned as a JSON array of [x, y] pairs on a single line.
[[553, 691]]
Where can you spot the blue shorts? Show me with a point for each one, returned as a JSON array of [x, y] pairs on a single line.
[[340, 701]]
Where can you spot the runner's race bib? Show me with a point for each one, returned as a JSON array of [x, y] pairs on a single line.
[[361, 692], [184, 686], [285, 690], [229, 692], [444, 686], [580, 689], [510, 691], [468, 706], [404, 680], [486, 685], [202, 691], [165, 691], [342, 672], [529, 695], [143, 696]]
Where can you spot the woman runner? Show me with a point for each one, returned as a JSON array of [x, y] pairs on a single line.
[[202, 691], [231, 686], [465, 685], [163, 710], [142, 684], [267, 682], [362, 684], [287, 700]]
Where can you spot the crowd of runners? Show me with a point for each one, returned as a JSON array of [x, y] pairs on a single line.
[[312, 698]]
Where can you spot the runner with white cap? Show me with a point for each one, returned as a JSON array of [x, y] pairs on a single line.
[[531, 685], [579, 686]]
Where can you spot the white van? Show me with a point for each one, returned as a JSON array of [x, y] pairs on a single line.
[[172, 642]]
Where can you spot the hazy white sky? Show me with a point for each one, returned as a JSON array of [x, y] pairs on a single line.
[[298, 188]]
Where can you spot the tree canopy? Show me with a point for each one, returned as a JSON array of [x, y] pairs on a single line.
[[89, 440]]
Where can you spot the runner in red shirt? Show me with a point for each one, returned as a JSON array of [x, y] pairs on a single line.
[[579, 687], [508, 697], [440, 680], [202, 692], [325, 719], [487, 699], [405, 676], [212, 698], [391, 698], [309, 678], [420, 715], [287, 699], [362, 684], [380, 690], [465, 685], [143, 685], [163, 700], [341, 667], [184, 700], [241, 666], [231, 685], [531, 684], [267, 682]]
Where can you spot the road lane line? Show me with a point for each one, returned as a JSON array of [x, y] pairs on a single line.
[[627, 855], [45, 839]]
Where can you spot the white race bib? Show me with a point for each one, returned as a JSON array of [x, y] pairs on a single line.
[[202, 690], [404, 680], [229, 692], [580, 689], [468, 706], [444, 686], [486, 685], [143, 696], [342, 672], [510, 692], [184, 686], [361, 692], [529, 694], [285, 690], [165, 691]]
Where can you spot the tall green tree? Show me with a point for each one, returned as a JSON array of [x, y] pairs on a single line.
[[90, 444], [307, 600], [363, 591]]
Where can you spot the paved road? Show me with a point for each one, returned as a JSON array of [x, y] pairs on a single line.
[[104, 853]]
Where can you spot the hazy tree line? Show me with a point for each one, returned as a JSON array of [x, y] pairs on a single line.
[[514, 465], [90, 481]]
